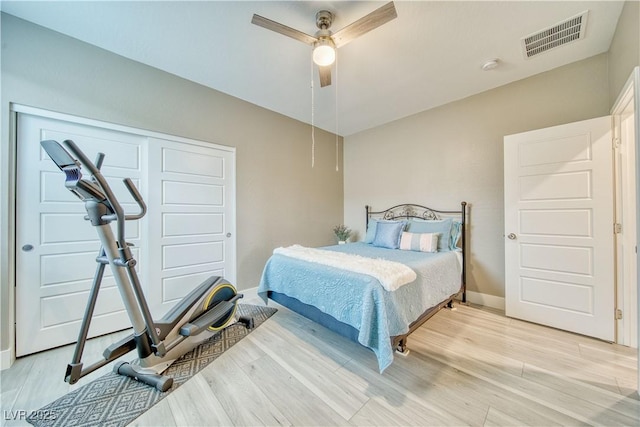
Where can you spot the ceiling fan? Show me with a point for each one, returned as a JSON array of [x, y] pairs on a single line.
[[325, 42]]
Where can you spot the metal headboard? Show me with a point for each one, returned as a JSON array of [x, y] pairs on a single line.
[[410, 210]]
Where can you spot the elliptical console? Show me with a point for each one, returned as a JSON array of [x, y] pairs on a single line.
[[206, 310]]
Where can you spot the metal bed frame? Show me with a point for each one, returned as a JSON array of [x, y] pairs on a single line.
[[403, 211]]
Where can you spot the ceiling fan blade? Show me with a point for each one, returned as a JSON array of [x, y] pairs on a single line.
[[283, 29], [365, 24], [325, 75]]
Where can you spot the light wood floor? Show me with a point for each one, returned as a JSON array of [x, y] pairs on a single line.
[[467, 366]]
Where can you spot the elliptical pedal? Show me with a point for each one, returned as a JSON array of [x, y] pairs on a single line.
[[209, 318]]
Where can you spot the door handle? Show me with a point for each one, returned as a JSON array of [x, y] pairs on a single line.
[[27, 248], [511, 236]]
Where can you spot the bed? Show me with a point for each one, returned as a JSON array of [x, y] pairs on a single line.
[[378, 291]]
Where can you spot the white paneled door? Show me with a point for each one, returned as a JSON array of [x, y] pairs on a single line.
[[187, 235], [559, 225], [56, 247], [193, 196]]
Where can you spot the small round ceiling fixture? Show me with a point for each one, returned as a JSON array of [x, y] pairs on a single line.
[[490, 64], [324, 52]]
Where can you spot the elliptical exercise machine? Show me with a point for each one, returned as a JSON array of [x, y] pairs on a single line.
[[202, 313]]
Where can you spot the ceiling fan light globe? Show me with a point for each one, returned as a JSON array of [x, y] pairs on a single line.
[[324, 55]]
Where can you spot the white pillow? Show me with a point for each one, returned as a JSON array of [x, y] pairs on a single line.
[[422, 242]]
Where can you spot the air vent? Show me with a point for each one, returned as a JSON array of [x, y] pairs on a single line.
[[560, 34]]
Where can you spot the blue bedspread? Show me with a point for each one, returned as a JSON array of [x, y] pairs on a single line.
[[360, 300]]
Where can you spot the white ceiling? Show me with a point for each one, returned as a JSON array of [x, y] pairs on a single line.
[[431, 54]]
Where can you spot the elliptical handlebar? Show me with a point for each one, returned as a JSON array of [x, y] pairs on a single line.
[[137, 197], [110, 196]]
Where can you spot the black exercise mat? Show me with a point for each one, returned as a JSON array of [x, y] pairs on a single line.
[[114, 400]]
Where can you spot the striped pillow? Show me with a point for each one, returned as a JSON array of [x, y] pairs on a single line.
[[422, 242]]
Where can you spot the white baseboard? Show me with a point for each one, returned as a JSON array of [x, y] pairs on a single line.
[[6, 359], [251, 296], [486, 300]]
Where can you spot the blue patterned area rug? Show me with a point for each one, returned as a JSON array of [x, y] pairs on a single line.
[[114, 400]]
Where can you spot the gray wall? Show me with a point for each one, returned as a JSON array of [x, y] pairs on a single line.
[[453, 153], [624, 52], [280, 199]]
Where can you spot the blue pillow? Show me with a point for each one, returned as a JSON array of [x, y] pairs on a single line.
[[440, 226], [371, 231], [388, 234], [372, 227]]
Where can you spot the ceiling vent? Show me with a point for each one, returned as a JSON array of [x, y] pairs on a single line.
[[560, 34]]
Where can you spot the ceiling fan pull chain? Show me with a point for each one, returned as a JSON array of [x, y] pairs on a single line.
[[313, 137], [337, 153]]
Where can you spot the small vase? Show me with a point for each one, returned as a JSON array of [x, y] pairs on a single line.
[[341, 242]]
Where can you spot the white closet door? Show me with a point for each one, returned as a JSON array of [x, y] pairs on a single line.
[[559, 251], [56, 247], [194, 214], [187, 235]]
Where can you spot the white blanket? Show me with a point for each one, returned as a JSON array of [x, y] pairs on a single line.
[[391, 274]]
